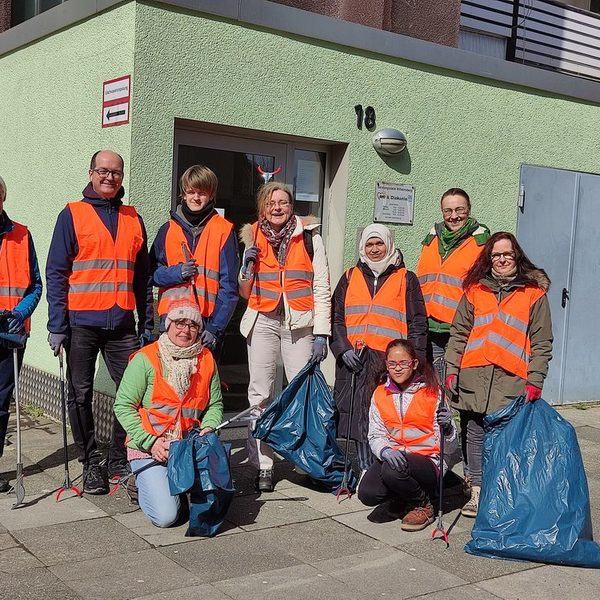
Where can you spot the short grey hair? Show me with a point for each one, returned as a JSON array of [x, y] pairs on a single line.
[[2, 189]]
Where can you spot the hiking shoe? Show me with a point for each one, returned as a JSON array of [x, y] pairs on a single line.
[[95, 481], [418, 518], [471, 507], [118, 472], [4, 485], [264, 480], [132, 490]]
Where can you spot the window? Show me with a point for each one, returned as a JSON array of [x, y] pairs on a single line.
[[22, 10]]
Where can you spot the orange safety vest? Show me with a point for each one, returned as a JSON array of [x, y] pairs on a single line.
[[442, 281], [166, 407], [102, 272], [412, 431], [271, 280], [207, 254], [15, 269], [378, 320], [500, 334]]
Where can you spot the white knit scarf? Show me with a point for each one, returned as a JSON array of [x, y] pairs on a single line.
[[179, 362]]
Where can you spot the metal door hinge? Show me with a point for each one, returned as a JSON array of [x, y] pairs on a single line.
[[521, 201]]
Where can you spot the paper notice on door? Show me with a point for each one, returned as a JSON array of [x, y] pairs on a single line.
[[308, 181]]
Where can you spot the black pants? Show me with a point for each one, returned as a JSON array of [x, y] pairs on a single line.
[[381, 482], [116, 346], [7, 385]]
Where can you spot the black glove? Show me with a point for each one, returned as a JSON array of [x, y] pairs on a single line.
[[188, 269], [444, 418], [352, 360], [395, 458], [250, 257], [57, 341]]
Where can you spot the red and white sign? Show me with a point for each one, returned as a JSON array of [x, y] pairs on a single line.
[[116, 95]]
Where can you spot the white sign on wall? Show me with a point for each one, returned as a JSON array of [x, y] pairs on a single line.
[[394, 203], [116, 96]]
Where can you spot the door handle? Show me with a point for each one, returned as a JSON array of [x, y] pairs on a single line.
[[565, 297]]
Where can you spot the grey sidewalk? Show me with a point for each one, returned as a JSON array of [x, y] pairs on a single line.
[[295, 543]]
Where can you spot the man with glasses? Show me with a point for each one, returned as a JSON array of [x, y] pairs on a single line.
[[98, 276]]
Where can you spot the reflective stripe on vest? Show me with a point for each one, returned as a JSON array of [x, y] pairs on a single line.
[[103, 270], [413, 431], [294, 278], [15, 268], [500, 334], [441, 281], [166, 408], [207, 254], [378, 320]]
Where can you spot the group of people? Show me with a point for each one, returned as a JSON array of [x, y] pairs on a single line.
[[473, 319]]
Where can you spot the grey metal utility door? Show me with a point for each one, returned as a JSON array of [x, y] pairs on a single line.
[[558, 227]]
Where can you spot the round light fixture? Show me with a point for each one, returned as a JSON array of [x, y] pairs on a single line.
[[389, 142]]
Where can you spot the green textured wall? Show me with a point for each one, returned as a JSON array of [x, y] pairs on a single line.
[[51, 95]]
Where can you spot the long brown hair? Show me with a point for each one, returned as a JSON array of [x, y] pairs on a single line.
[[424, 369], [482, 267]]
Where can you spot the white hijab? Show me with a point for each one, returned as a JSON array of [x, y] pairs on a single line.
[[381, 232]]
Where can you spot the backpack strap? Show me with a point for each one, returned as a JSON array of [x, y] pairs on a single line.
[[308, 243]]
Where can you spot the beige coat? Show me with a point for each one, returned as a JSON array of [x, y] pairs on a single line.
[[486, 389], [320, 317]]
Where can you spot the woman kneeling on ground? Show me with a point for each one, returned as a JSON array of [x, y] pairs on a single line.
[[405, 420], [169, 387]]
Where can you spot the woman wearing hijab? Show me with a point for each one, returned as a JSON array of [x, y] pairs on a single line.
[[375, 302]]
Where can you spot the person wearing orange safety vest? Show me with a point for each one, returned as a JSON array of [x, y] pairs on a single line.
[[20, 292], [374, 303], [500, 343], [169, 387], [407, 416], [285, 278], [449, 251], [98, 280], [195, 256]]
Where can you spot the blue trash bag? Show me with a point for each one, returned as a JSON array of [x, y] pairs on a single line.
[[200, 465], [300, 426], [534, 502]]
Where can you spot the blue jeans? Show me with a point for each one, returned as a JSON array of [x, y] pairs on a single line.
[[154, 496]]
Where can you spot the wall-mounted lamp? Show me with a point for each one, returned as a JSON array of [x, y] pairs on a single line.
[[389, 142]]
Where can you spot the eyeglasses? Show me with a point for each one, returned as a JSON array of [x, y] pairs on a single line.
[[282, 204], [505, 255], [460, 211], [401, 364], [106, 173], [181, 325]]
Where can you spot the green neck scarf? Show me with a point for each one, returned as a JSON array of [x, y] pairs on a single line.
[[450, 240]]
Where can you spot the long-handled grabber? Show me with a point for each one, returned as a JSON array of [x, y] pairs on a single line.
[[344, 488], [439, 527], [18, 487], [68, 484]]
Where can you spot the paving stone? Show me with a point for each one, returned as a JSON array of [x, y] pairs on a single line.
[[317, 540], [590, 575], [35, 482], [388, 572], [545, 583], [464, 592], [466, 566], [7, 541], [13, 560], [35, 584], [117, 504], [138, 523], [229, 556], [61, 543], [578, 417], [268, 510], [585, 432], [292, 583], [124, 575], [198, 592], [44, 510]]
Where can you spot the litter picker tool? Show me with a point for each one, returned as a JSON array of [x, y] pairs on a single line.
[[439, 527], [18, 487], [344, 489], [188, 256], [68, 483]]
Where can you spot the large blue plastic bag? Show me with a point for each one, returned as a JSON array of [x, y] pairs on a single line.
[[534, 502], [300, 426]]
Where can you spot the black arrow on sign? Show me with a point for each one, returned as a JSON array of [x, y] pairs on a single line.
[[117, 113]]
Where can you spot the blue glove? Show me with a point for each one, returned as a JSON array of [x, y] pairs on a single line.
[[15, 322], [189, 269], [57, 341], [208, 340], [444, 418], [395, 458], [147, 338], [319, 349], [250, 257], [352, 360]]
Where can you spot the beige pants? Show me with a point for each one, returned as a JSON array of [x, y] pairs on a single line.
[[267, 341]]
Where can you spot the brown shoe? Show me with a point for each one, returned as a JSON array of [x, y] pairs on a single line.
[[418, 518]]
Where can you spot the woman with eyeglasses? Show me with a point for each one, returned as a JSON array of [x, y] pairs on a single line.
[[449, 251], [285, 277], [500, 343], [169, 387], [374, 303], [407, 416]]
